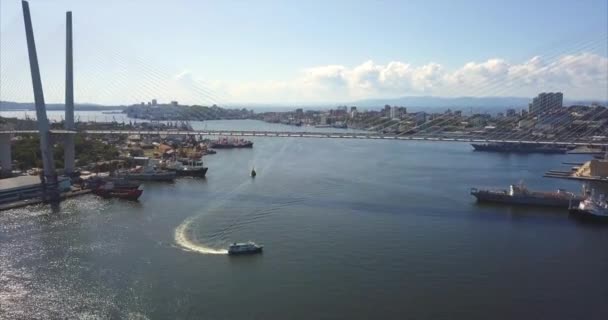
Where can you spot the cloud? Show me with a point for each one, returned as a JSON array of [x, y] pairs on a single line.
[[583, 75]]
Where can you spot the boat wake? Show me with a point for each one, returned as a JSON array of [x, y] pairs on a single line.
[[183, 235], [182, 238]]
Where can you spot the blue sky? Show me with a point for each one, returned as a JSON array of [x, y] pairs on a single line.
[[309, 51]]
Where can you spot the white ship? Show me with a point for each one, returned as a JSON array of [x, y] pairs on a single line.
[[244, 248]]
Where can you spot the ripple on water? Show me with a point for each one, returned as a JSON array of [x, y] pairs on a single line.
[[42, 275]]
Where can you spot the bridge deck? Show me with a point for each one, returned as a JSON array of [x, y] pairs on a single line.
[[310, 134]]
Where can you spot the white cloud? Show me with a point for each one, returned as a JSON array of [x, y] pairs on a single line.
[[583, 75]]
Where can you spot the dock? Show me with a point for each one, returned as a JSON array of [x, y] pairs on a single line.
[[34, 201], [590, 171]]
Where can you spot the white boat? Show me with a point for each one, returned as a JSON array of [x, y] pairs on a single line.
[[190, 168], [591, 209], [244, 248]]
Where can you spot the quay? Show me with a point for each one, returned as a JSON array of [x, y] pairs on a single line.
[[591, 171], [38, 200]]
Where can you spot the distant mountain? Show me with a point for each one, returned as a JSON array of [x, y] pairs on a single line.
[[9, 105]]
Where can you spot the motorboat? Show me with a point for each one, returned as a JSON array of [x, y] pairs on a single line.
[[244, 248]]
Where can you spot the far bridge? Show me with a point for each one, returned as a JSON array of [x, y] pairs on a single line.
[[312, 134]]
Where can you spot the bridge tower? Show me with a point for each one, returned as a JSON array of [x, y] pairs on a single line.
[[5, 155], [50, 176], [68, 146]]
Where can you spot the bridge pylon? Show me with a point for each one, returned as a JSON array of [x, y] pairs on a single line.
[[68, 147]]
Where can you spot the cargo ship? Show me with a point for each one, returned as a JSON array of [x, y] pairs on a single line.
[[520, 195], [225, 143], [521, 148]]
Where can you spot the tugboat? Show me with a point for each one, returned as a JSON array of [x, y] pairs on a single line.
[[519, 194], [244, 248], [253, 174], [591, 209]]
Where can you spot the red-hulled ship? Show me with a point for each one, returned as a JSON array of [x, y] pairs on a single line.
[[109, 190]]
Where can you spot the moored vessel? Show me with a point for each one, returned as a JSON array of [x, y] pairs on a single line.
[[519, 194], [188, 168], [149, 172], [517, 147], [591, 209], [225, 143], [110, 190]]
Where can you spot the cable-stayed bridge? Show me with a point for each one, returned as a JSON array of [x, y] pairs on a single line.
[[563, 130], [315, 134]]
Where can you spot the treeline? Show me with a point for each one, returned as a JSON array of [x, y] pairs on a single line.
[[26, 152], [178, 112]]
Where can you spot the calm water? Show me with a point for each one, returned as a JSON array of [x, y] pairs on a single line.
[[352, 230]]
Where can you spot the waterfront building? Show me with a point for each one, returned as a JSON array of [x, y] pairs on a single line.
[[420, 117], [553, 120]]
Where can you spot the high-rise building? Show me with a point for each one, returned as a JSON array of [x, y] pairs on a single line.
[[153, 102], [299, 113], [546, 102], [395, 112]]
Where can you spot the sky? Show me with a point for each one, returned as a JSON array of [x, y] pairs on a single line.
[[307, 52]]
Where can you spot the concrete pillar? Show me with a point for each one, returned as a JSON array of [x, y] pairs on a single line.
[[68, 146], [43, 122], [5, 155]]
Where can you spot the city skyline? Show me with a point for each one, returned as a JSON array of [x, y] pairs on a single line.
[[308, 53]]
